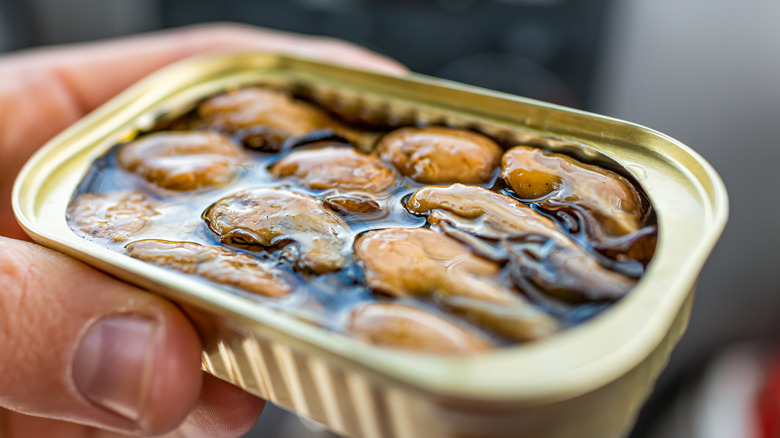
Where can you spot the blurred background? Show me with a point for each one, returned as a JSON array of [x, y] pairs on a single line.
[[706, 72]]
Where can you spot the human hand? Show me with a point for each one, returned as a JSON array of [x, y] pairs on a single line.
[[84, 354]]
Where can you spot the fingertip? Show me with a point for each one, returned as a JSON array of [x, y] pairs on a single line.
[[347, 53], [223, 410], [235, 36]]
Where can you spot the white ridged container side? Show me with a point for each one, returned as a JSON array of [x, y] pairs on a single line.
[[345, 402]]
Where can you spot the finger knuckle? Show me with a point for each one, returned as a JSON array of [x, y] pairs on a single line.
[[337, 44], [15, 277], [222, 30]]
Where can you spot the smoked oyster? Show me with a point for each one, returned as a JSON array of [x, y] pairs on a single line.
[[436, 155], [113, 216], [411, 328], [214, 263], [605, 204], [183, 160], [314, 236]]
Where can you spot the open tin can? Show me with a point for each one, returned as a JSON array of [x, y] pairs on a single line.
[[587, 381]]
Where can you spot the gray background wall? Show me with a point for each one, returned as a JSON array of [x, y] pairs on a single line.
[[708, 73]]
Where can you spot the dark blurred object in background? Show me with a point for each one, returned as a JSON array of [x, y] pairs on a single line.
[[544, 49], [15, 26]]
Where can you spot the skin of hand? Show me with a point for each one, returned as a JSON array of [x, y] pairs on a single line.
[[84, 354]]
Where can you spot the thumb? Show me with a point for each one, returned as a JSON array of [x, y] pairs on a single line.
[[81, 346]]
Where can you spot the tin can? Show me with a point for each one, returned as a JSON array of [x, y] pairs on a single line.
[[588, 381]]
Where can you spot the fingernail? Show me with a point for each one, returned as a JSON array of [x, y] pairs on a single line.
[[113, 364]]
